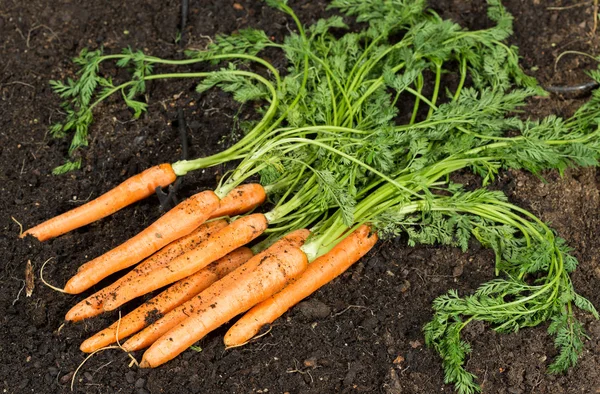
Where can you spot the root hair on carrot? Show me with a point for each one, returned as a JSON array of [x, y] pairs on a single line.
[[251, 339], [19, 224], [44, 280], [118, 346], [85, 360]]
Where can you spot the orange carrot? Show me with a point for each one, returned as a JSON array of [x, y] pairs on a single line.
[[92, 305], [151, 333], [176, 223], [174, 296], [320, 272], [241, 199], [133, 189], [237, 234], [219, 305]]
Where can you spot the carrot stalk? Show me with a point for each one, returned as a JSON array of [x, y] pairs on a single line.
[[241, 199], [176, 223], [92, 305], [174, 296], [221, 303], [154, 331], [320, 272], [133, 189], [238, 233]]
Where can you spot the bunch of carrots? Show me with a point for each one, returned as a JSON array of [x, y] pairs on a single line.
[[341, 167]]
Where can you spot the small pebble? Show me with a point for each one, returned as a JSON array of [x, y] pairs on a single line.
[[130, 377], [140, 383]]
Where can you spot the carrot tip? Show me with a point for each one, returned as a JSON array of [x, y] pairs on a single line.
[[145, 364]]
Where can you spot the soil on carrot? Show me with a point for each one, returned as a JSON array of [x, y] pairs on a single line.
[[362, 333]]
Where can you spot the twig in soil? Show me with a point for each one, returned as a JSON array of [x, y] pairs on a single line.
[[22, 169], [353, 306], [37, 27], [103, 365], [19, 224], [29, 279], [300, 372], [44, 281], [17, 83], [568, 7], [20, 291], [80, 201]]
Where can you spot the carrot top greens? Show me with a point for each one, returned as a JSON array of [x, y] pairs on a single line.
[[367, 126]]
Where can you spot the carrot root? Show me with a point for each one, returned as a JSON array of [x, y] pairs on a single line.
[[238, 233], [241, 199], [176, 223], [92, 305], [320, 272], [151, 333], [133, 189], [174, 296], [219, 304]]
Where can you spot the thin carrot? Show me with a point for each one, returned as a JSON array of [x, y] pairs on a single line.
[[219, 305], [241, 199], [174, 296], [238, 233], [133, 189], [92, 305], [151, 333], [176, 223], [320, 272]]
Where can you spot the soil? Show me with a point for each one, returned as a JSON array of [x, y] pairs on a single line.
[[362, 333]]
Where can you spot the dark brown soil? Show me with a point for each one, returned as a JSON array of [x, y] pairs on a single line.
[[362, 333]]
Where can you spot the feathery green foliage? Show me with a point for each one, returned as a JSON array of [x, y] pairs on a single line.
[[336, 148]]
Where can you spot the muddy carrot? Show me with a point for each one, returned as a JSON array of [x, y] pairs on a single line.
[[151, 333], [271, 274], [176, 223], [174, 296], [133, 189], [92, 305], [320, 272], [238, 233], [241, 199]]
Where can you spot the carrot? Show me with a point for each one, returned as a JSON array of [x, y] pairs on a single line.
[[92, 305], [176, 223], [221, 303], [151, 333], [320, 272], [237, 234], [133, 189], [241, 199], [174, 296]]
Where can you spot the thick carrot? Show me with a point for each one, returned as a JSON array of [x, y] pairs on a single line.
[[174, 296], [176, 223], [320, 272], [133, 189], [271, 274], [241, 199], [151, 333], [92, 305], [237, 234]]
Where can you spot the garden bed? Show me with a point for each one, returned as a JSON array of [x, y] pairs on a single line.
[[362, 333]]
